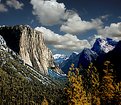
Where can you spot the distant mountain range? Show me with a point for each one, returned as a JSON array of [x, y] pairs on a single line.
[[59, 58], [74, 58], [84, 58]]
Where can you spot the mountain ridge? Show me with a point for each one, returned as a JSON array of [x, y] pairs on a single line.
[[86, 56]]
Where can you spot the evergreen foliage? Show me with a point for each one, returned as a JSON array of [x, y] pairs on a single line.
[[19, 91], [23, 85]]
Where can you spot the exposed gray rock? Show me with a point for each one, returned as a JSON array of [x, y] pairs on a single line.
[[29, 44], [2, 41]]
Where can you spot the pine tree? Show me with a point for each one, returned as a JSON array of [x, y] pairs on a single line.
[[75, 91]]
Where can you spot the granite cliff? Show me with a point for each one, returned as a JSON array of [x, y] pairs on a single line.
[[29, 44]]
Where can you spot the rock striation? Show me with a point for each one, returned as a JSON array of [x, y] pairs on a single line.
[[29, 44]]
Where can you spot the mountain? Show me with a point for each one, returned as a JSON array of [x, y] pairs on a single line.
[[73, 55], [29, 44], [73, 58], [59, 58], [22, 83], [114, 56], [11, 62], [84, 58], [102, 46]]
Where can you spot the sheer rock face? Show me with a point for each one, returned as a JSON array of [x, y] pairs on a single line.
[[30, 45]]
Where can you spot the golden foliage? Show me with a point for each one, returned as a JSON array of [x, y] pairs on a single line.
[[75, 91], [92, 89], [91, 81], [117, 97], [44, 102]]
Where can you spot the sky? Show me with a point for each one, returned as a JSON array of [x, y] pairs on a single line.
[[67, 25]]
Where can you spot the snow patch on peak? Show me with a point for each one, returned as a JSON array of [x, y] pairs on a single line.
[[75, 53], [57, 56], [103, 45]]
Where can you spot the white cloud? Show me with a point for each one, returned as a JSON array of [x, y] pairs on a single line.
[[48, 12], [75, 24], [3, 8], [15, 4], [66, 42], [114, 30]]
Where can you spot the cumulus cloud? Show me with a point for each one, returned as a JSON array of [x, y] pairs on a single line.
[[114, 30], [75, 24], [15, 4], [3, 8], [65, 42], [48, 12]]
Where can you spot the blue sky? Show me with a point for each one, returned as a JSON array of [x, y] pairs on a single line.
[[67, 25]]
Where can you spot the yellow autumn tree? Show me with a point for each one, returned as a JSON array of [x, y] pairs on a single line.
[[107, 87], [44, 102], [91, 81], [75, 90], [117, 96]]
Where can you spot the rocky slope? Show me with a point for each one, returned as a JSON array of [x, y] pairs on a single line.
[[11, 63], [22, 84], [29, 44]]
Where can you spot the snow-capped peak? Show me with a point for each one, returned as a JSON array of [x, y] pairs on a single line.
[[103, 45], [75, 53], [57, 56]]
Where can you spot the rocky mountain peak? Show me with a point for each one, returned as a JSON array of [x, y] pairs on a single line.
[[102, 45], [29, 44]]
